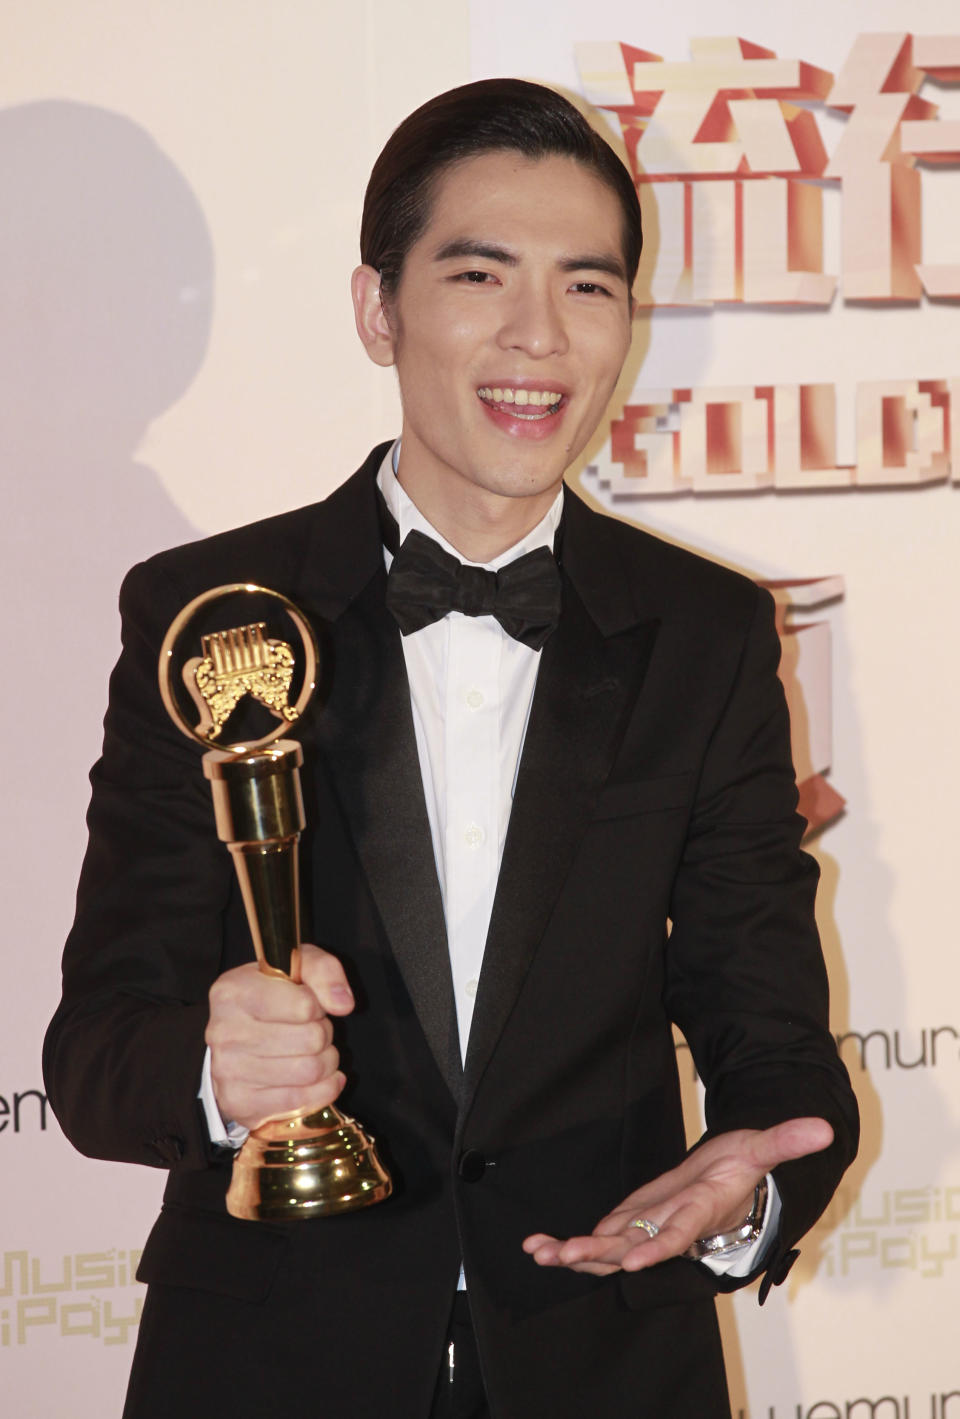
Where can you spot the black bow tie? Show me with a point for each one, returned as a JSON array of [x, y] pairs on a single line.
[[425, 582]]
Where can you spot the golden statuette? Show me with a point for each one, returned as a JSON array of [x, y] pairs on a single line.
[[302, 1164]]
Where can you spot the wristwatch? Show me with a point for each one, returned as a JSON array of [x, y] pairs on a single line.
[[722, 1243]]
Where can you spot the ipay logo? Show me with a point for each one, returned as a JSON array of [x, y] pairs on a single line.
[[80, 1294]]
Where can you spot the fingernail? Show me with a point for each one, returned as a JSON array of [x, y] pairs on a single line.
[[342, 994]]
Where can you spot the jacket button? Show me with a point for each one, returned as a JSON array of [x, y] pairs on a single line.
[[472, 1165]]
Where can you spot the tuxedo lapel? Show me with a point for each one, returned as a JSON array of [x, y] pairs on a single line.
[[365, 732], [590, 674]]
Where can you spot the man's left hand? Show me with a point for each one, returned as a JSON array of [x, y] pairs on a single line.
[[710, 1192]]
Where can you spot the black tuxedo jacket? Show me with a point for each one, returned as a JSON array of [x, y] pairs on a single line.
[[655, 787]]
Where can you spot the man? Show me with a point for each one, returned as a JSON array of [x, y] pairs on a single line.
[[505, 814]]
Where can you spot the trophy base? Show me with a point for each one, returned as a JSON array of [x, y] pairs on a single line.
[[306, 1165]]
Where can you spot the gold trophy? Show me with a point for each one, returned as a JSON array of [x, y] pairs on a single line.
[[300, 1164]]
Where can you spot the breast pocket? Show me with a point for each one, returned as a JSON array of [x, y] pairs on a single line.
[[651, 795]]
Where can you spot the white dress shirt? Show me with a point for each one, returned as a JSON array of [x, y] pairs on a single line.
[[471, 689]]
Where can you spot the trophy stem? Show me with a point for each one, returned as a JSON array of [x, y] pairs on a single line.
[[311, 1163], [258, 808]]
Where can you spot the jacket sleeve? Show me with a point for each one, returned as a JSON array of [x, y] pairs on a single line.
[[124, 1052], [746, 980]]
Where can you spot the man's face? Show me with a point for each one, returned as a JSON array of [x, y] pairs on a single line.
[[509, 328]]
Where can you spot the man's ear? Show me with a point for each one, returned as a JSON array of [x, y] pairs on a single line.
[[372, 324]]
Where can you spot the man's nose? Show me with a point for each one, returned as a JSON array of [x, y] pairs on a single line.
[[534, 323]]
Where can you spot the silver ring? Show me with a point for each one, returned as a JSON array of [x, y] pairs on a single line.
[[646, 1225]]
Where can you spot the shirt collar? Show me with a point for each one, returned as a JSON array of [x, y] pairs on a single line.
[[409, 518]]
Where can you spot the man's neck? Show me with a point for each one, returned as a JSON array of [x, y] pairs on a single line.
[[477, 523]]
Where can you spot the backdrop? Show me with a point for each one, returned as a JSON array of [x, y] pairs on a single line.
[[181, 192]]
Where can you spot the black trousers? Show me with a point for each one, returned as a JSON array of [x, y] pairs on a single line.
[[460, 1393]]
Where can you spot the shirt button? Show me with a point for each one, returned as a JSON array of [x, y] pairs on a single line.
[[474, 699], [471, 988], [474, 835]]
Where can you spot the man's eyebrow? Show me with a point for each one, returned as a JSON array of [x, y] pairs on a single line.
[[466, 246], [595, 261]]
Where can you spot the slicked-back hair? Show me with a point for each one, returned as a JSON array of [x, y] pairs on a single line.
[[490, 116]]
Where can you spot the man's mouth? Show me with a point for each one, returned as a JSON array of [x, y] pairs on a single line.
[[532, 404]]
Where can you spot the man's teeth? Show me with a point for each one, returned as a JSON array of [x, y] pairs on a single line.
[[539, 398]]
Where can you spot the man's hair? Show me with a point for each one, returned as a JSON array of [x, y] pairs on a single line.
[[490, 116]]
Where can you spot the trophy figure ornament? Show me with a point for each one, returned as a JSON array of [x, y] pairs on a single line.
[[236, 663]]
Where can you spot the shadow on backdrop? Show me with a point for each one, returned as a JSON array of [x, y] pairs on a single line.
[[106, 284]]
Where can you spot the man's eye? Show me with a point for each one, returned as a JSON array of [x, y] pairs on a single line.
[[476, 278], [590, 288]]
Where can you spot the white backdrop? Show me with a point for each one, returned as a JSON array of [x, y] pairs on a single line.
[[181, 193]]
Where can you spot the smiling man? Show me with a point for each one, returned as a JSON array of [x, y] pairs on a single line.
[[552, 811]]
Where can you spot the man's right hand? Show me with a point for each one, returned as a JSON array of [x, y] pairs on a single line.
[[271, 1042]]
